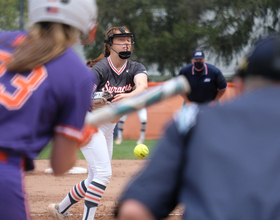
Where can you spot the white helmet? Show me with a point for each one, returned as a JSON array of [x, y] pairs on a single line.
[[81, 14]]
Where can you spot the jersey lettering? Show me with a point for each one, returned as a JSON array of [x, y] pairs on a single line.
[[4, 57], [19, 39], [25, 85], [114, 89]]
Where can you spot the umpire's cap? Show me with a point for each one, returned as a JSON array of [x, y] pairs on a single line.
[[198, 54], [262, 60]]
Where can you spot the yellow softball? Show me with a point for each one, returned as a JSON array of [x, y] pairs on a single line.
[[141, 151]]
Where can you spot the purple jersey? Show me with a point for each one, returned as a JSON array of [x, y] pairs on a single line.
[[117, 81], [36, 104]]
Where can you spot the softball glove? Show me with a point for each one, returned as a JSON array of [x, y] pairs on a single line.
[[100, 99]]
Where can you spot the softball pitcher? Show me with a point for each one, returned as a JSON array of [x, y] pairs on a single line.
[[118, 75]]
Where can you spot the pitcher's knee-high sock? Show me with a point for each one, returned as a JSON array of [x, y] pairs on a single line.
[[92, 199], [77, 193]]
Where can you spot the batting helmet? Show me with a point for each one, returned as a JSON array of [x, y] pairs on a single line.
[[81, 14]]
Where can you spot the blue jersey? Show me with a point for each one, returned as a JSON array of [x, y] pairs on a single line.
[[204, 84], [36, 104]]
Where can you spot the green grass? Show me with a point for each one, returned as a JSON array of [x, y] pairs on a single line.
[[122, 151]]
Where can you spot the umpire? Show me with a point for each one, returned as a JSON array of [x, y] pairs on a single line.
[[207, 82]]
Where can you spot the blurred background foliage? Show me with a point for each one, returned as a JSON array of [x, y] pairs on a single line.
[[166, 32], [11, 12]]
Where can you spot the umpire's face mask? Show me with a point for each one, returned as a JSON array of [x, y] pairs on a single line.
[[198, 65]]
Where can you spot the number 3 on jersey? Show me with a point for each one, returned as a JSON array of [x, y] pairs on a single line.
[[25, 85]]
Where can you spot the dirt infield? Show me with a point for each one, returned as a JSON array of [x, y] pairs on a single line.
[[44, 189]]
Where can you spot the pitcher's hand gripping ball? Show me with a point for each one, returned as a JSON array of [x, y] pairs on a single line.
[[141, 151]]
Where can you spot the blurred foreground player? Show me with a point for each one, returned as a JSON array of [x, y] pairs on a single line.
[[221, 162], [45, 92]]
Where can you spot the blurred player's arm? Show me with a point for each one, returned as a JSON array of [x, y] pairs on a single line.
[[64, 154], [141, 84], [64, 150]]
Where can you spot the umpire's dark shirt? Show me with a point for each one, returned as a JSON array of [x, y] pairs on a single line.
[[204, 84], [226, 167]]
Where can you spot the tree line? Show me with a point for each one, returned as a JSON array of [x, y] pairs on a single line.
[[167, 32]]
